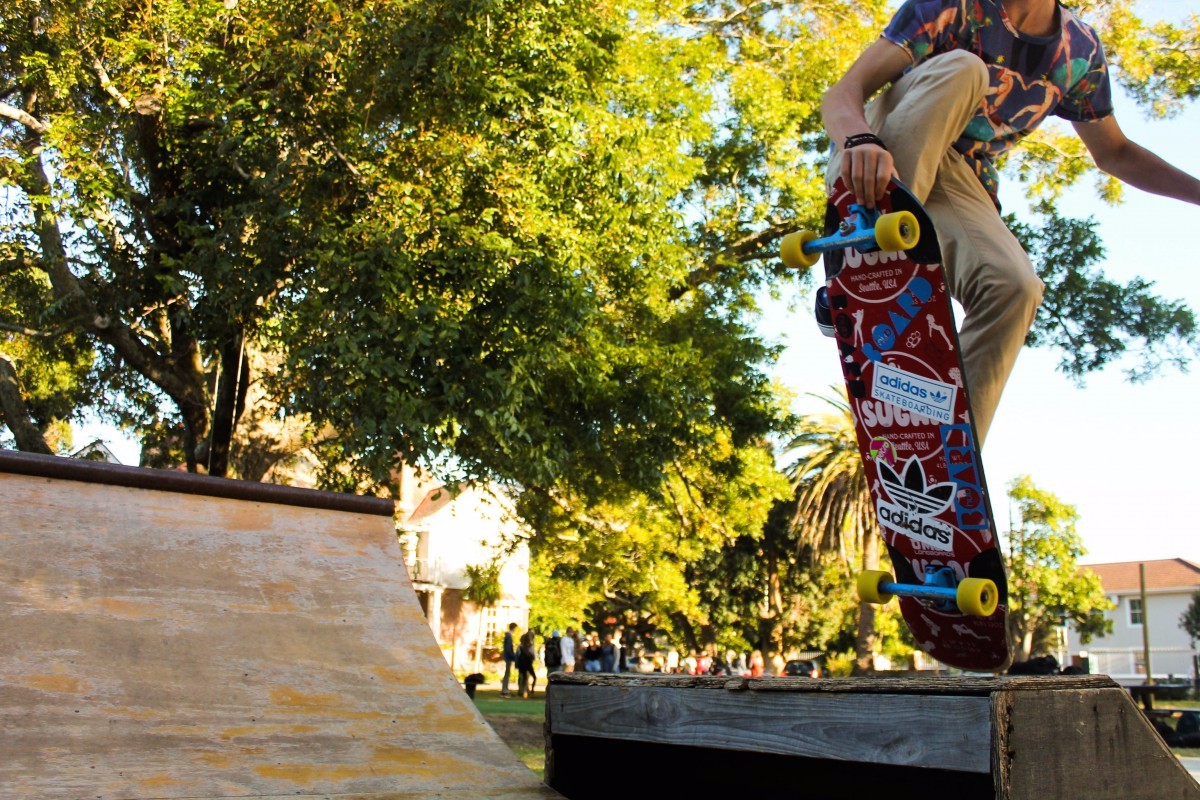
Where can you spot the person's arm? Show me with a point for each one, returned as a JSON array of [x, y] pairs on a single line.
[[867, 168], [1131, 163]]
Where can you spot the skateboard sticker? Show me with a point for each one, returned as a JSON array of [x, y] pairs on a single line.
[[928, 397], [914, 506], [883, 450]]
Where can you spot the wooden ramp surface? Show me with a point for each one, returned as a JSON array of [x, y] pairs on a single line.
[[200, 638]]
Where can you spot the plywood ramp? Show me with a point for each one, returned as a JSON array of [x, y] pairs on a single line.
[[171, 636], [1068, 738]]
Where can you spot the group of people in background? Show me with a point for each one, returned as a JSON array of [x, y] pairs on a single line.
[[521, 653], [575, 651]]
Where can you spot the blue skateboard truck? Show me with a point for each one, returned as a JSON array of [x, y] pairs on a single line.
[[866, 230], [975, 596]]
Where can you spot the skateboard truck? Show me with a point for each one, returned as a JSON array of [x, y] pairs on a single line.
[[865, 229], [973, 596]]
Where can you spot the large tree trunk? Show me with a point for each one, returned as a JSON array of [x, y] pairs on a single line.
[[15, 414], [770, 627], [684, 626], [229, 389], [866, 642]]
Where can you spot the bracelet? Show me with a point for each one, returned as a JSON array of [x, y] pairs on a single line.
[[863, 138]]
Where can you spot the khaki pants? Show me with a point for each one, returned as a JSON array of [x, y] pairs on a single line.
[[988, 272]]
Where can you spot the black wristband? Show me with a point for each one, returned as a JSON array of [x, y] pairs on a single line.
[[863, 138]]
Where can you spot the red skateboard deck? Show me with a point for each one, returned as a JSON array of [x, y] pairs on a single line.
[[904, 377]]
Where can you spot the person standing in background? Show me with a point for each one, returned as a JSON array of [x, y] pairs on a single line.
[[509, 653], [566, 647]]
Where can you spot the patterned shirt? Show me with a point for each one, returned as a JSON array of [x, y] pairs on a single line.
[[1031, 77]]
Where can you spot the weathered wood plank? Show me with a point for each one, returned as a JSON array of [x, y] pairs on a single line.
[[1088, 744], [69, 469], [940, 732], [958, 686], [164, 645]]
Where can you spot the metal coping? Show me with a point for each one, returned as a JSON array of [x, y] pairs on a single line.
[[70, 469]]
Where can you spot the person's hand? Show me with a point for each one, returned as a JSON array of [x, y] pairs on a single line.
[[866, 170]]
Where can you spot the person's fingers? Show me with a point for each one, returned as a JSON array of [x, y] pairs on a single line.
[[885, 169], [863, 165]]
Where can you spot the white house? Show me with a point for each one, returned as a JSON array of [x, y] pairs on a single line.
[[97, 450], [1170, 584], [442, 534]]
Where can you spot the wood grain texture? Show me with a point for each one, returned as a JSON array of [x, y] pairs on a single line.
[[956, 686], [164, 645], [98, 472], [1021, 738], [1091, 744], [940, 732]]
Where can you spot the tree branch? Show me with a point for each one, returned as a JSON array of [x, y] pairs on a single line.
[[108, 86], [21, 329], [16, 413], [731, 256], [24, 118]]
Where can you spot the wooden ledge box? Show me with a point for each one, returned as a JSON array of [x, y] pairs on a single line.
[[998, 738]]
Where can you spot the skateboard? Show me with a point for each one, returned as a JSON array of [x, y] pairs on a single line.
[[885, 299]]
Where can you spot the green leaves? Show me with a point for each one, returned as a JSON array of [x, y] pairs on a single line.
[[1045, 582], [1094, 321], [1159, 61]]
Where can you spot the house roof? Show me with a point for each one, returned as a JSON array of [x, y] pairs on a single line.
[[434, 501], [1167, 573], [97, 450]]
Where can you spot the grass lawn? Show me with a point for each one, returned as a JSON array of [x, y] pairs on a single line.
[[518, 722], [489, 702]]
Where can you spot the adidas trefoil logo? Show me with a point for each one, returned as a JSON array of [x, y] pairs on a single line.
[[908, 489], [915, 505]]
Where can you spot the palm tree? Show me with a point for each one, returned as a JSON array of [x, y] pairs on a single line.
[[833, 511]]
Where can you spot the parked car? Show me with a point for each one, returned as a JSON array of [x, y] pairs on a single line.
[[802, 668]]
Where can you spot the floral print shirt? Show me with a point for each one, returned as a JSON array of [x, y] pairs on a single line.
[[1031, 77]]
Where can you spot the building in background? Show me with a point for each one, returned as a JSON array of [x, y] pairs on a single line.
[[1170, 584], [96, 450], [441, 534]]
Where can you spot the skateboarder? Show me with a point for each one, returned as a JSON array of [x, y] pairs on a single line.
[[968, 80]]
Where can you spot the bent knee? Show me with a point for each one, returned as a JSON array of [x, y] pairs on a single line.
[[1020, 289], [964, 66]]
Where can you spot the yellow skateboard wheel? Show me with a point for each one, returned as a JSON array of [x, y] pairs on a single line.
[[868, 586], [977, 597], [791, 250], [897, 231]]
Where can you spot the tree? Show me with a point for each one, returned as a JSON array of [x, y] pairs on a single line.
[[834, 512], [1093, 321], [646, 558], [413, 206], [1046, 585], [414, 209], [44, 378], [1190, 619], [484, 591]]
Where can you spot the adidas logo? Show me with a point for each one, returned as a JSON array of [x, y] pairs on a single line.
[[914, 504]]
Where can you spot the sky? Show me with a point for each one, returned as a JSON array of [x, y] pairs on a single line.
[[1119, 452]]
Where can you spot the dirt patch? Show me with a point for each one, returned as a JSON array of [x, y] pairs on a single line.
[[518, 731]]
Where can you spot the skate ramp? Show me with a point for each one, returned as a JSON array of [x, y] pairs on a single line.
[[164, 635]]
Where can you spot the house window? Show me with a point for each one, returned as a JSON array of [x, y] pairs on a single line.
[[1135, 611], [489, 624]]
